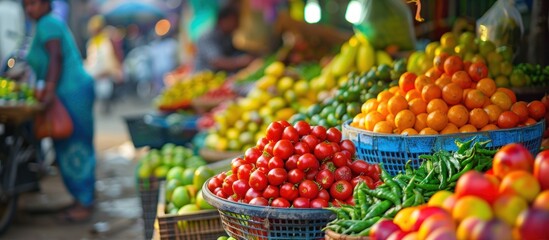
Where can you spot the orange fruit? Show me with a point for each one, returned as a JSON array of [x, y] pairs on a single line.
[[487, 86], [394, 90], [358, 120], [433, 73], [437, 120], [417, 106], [449, 129], [509, 93], [383, 108], [405, 119], [477, 71], [478, 118], [412, 94], [462, 78], [437, 104], [458, 115], [406, 81], [384, 96], [453, 64], [521, 109], [397, 104], [489, 127], [443, 81], [536, 109], [465, 92], [493, 112], [452, 93], [467, 128], [475, 99], [383, 127], [502, 100], [508, 119], [421, 121], [430, 92], [438, 60], [530, 121], [371, 119], [428, 131], [370, 105], [390, 119], [422, 81], [409, 132]]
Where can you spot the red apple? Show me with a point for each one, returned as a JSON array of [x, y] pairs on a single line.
[[492, 230], [422, 213], [541, 169], [512, 157], [477, 184], [397, 235], [533, 223], [382, 229]]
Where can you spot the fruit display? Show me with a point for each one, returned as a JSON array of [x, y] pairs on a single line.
[[180, 94], [158, 162], [299, 166], [12, 93], [510, 201], [276, 96], [346, 102], [183, 187], [498, 59], [438, 172], [450, 98], [536, 75]]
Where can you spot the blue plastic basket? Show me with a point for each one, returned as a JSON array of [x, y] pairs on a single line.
[[244, 221], [154, 131], [395, 150]]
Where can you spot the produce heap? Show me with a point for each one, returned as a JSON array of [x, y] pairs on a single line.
[[299, 166], [13, 93], [156, 163]]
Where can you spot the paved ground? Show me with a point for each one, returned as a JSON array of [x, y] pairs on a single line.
[[118, 212]]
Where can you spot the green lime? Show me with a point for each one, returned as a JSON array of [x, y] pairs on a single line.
[[180, 197]]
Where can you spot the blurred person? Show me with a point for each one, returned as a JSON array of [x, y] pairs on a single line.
[[103, 61], [164, 59], [55, 58], [215, 49]]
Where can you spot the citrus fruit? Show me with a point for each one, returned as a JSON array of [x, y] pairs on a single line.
[[458, 115], [421, 121], [437, 120], [405, 119], [452, 93], [430, 92], [437, 104], [478, 118]]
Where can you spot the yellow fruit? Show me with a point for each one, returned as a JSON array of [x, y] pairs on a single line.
[[507, 207], [276, 69], [365, 56], [471, 206], [439, 197]]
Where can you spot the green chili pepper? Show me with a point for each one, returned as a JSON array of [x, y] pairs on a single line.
[[400, 182], [462, 146], [418, 198], [361, 225], [348, 223], [454, 162], [428, 187], [392, 211], [408, 202], [385, 195], [408, 168], [395, 188], [378, 209], [443, 174], [464, 170], [428, 177], [365, 232], [341, 214]]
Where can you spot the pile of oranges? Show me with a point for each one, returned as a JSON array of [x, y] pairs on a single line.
[[451, 97]]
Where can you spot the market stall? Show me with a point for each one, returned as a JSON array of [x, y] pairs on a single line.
[[385, 136]]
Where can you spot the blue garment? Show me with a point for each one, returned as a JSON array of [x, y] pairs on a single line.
[[75, 89]]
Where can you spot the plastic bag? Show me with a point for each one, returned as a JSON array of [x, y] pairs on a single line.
[[387, 22], [501, 24]]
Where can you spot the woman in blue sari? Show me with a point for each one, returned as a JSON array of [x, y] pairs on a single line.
[[54, 57]]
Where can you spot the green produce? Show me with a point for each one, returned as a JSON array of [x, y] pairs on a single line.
[[348, 98], [159, 163], [439, 171], [533, 75], [12, 92]]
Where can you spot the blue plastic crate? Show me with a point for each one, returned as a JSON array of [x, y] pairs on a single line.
[[395, 150], [244, 221]]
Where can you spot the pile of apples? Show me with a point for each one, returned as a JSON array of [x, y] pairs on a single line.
[[510, 201]]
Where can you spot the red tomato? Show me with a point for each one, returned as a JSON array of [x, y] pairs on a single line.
[[319, 203], [269, 148], [359, 167], [348, 145], [236, 163], [275, 162], [308, 189], [271, 192], [244, 171], [252, 193], [365, 179], [335, 147], [280, 202], [295, 176], [541, 169], [251, 155], [258, 180], [289, 191], [277, 176], [263, 161], [283, 149], [301, 148], [259, 201], [319, 132], [307, 162], [343, 173], [310, 140], [214, 183], [291, 134], [219, 192], [340, 159], [512, 157], [333, 135], [477, 71], [328, 165], [261, 143], [221, 176], [301, 202], [240, 187], [311, 174], [323, 151], [284, 123], [291, 163], [324, 194], [325, 178], [302, 127], [341, 190], [274, 131], [476, 184], [227, 185]]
